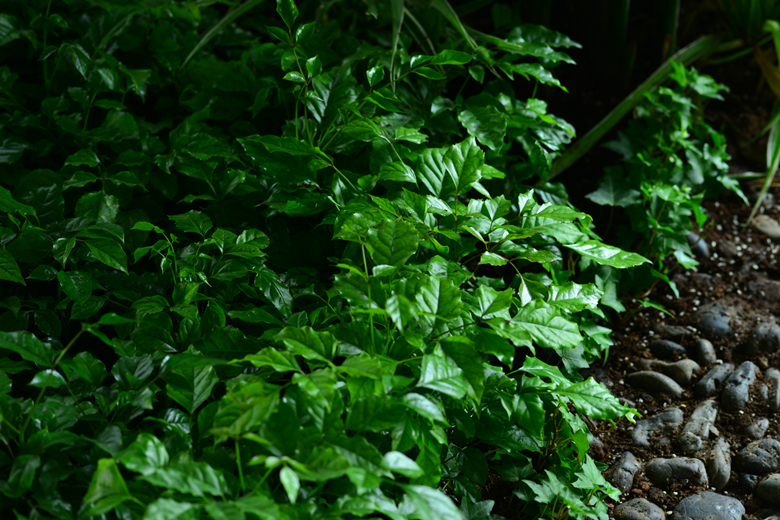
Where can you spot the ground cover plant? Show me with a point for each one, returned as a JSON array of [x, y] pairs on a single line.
[[283, 263]]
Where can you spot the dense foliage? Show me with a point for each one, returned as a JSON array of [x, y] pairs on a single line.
[[671, 159], [282, 264]]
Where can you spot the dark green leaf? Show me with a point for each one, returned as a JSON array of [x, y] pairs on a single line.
[[109, 252], [98, 205], [193, 221], [288, 11], [87, 157], [9, 269], [76, 284], [21, 476]]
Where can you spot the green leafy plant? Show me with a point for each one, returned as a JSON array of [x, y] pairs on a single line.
[[302, 296], [671, 158]]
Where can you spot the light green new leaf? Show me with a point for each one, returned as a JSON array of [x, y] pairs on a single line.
[[290, 482], [109, 252], [593, 399], [9, 269], [192, 386], [607, 255], [574, 297], [443, 376], [145, 455], [193, 221], [393, 242]]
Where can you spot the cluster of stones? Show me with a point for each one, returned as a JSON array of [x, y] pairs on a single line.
[[706, 460]]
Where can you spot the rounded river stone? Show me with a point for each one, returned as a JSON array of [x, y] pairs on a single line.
[[638, 509], [665, 349], [708, 506], [681, 371], [657, 427], [736, 392], [748, 481], [697, 429], [621, 473], [765, 338], [698, 245], [704, 352], [654, 383], [715, 320], [712, 380], [719, 464], [772, 378], [759, 457], [758, 429], [673, 332], [685, 470], [769, 490]]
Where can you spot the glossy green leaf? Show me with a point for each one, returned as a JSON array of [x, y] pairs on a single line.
[[393, 242], [288, 11], [99, 206], [594, 400], [145, 455], [191, 387], [443, 376], [429, 503], [542, 324], [87, 157], [166, 508], [487, 124], [109, 252], [607, 255], [107, 488], [193, 478], [193, 222]]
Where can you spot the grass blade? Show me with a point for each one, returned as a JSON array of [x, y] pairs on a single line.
[[696, 50], [226, 20], [449, 13], [397, 13], [772, 162]]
